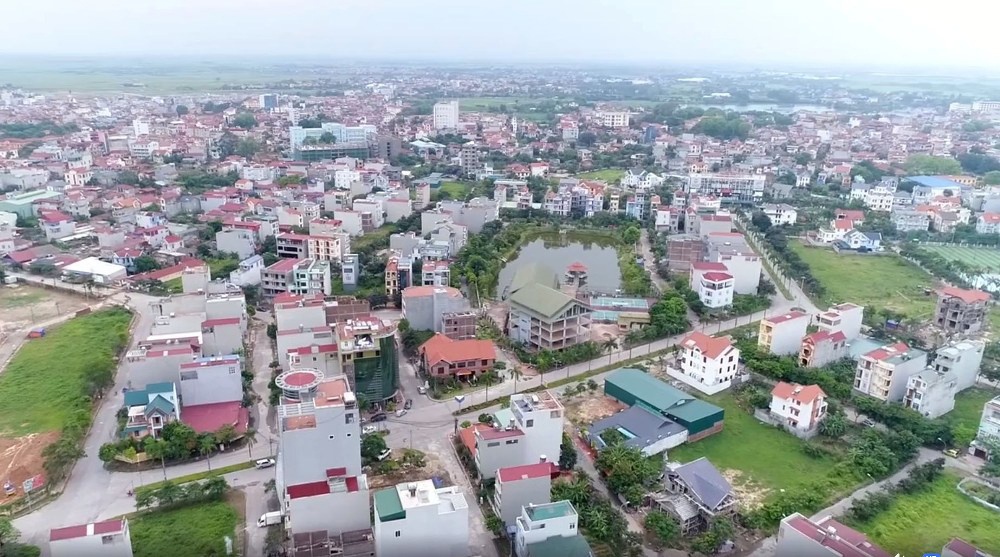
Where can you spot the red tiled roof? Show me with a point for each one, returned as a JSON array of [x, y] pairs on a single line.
[[805, 395], [208, 418], [786, 317], [314, 349], [990, 218], [490, 433], [967, 296], [709, 266], [847, 542], [99, 528], [441, 348], [710, 346], [536, 470], [310, 489], [220, 321], [468, 436], [820, 336], [887, 351], [716, 276], [284, 265], [963, 548]]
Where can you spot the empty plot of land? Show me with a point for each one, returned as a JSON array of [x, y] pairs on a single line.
[[23, 306], [883, 281]]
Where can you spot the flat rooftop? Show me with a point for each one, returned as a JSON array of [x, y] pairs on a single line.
[[536, 401], [549, 511]]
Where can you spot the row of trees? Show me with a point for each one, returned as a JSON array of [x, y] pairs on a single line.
[[170, 494], [598, 515], [177, 441], [920, 478]]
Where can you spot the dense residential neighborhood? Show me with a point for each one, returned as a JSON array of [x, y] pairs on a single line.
[[525, 312]]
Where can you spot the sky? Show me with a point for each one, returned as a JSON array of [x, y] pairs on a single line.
[[882, 33]]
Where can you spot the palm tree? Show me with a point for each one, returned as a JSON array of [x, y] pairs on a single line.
[[157, 448], [609, 346], [206, 444], [251, 438]]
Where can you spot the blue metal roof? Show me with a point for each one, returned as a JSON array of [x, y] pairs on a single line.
[[935, 181]]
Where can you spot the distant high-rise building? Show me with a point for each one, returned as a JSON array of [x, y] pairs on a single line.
[[140, 127], [268, 101], [649, 135], [446, 115]]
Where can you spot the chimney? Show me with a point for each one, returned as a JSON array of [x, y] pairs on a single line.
[[412, 488]]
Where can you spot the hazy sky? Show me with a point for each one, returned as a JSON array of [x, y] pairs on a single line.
[[876, 32]]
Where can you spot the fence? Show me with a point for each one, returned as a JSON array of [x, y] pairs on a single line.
[[982, 502]]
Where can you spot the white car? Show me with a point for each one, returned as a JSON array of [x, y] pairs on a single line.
[[368, 429], [263, 463]]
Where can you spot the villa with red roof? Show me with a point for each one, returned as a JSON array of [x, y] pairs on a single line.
[[798, 407], [707, 363], [445, 358]]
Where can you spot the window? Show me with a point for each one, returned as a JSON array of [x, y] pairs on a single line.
[[398, 533], [107, 540], [349, 418], [572, 526], [529, 423], [493, 444], [232, 370]]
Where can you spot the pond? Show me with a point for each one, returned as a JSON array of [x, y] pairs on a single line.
[[558, 251]]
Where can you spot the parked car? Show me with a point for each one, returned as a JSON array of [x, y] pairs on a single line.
[[368, 429], [380, 417], [408, 404], [422, 390], [951, 452], [401, 412], [868, 423], [262, 463], [385, 454]]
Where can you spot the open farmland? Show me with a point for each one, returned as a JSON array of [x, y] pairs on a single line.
[[885, 281]]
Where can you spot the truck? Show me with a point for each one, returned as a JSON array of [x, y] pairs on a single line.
[[270, 519]]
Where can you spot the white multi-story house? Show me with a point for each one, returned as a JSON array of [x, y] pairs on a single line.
[[530, 431], [880, 198], [884, 372], [446, 115], [715, 289], [519, 486], [549, 529], [846, 318], [782, 335], [613, 118], [707, 363], [110, 538], [780, 213], [638, 178], [931, 392], [988, 223], [416, 519], [799, 407], [319, 480], [989, 429]]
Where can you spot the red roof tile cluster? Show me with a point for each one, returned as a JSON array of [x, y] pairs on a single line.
[[82, 530], [786, 317], [443, 349], [527, 471], [710, 346], [799, 393], [208, 418], [967, 296]]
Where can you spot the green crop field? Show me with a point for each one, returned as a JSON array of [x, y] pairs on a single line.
[[47, 380], [870, 280], [981, 258], [457, 190], [925, 521], [183, 532], [483, 104]]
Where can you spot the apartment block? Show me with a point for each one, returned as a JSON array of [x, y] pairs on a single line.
[[417, 519], [989, 428]]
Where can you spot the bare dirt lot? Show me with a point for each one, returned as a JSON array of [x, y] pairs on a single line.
[[588, 407], [434, 469], [748, 493], [21, 458], [23, 307]]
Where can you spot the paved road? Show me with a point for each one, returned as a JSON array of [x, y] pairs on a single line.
[[966, 465]]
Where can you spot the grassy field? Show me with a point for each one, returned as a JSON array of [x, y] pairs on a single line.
[[21, 298], [761, 457], [457, 190], [198, 476], [983, 258], [870, 280], [607, 175], [375, 236], [969, 407], [482, 104], [45, 382], [192, 530], [926, 521]]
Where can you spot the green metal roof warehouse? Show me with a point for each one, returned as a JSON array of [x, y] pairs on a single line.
[[635, 387]]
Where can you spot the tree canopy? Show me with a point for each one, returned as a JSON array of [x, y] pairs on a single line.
[[245, 120], [931, 165]]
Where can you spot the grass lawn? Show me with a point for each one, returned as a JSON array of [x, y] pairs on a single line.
[[221, 267], [607, 175], [20, 298], [926, 521], [457, 190], [870, 280], [765, 458], [174, 285], [192, 530], [983, 258], [380, 234], [45, 383], [482, 104], [969, 407]]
